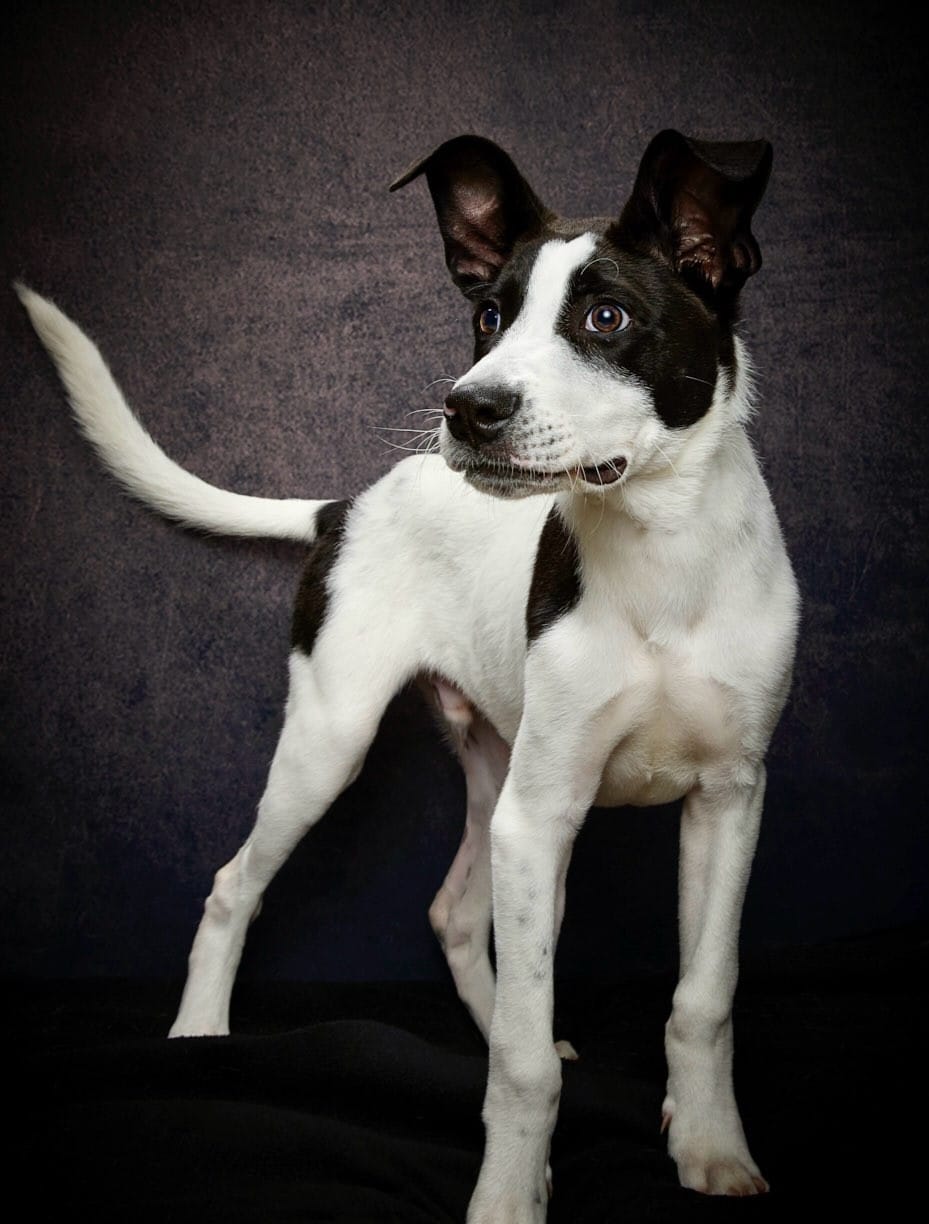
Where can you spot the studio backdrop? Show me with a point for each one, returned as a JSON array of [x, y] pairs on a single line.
[[203, 187]]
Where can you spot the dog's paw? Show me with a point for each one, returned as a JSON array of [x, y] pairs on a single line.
[[565, 1050], [713, 1161], [721, 1175], [183, 1029]]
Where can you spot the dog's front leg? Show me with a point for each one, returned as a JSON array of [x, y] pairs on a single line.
[[719, 831], [541, 807]]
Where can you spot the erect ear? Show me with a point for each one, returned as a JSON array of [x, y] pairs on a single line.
[[483, 205], [692, 204]]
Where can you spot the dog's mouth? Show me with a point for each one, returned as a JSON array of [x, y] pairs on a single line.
[[513, 478], [604, 473]]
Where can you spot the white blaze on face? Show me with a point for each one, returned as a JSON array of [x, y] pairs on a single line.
[[534, 327], [555, 264], [574, 412]]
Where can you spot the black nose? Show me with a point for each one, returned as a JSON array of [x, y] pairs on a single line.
[[478, 414]]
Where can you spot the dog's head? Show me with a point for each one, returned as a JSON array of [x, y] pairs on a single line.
[[599, 344]]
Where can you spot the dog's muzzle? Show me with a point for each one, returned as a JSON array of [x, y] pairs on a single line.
[[476, 415]]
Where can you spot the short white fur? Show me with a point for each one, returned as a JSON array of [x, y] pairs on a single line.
[[664, 681]]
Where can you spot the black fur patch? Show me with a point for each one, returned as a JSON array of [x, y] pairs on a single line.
[[313, 592], [556, 577], [676, 344]]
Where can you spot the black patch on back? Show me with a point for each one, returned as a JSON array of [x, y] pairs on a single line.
[[313, 592], [556, 577]]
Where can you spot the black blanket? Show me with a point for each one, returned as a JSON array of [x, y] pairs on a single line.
[[362, 1103]]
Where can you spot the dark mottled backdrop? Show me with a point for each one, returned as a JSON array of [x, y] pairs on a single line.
[[202, 186]]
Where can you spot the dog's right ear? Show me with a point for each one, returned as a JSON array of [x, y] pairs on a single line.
[[483, 205]]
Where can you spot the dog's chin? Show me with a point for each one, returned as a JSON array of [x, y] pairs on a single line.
[[511, 483], [512, 480]]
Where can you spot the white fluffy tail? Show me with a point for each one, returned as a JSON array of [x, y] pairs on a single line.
[[136, 460]]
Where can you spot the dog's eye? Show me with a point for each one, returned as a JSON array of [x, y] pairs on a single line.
[[606, 317], [488, 319]]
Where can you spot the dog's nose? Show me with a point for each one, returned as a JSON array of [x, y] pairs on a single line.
[[478, 414]]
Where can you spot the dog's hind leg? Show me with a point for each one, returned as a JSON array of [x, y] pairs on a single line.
[[334, 705], [461, 912]]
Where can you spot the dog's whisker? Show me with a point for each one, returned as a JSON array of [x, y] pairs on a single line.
[[417, 448], [410, 450], [601, 514], [667, 460], [611, 464], [418, 439], [435, 382], [402, 429]]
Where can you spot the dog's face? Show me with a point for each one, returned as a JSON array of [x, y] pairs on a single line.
[[599, 344]]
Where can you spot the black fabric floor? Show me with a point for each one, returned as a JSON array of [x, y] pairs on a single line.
[[362, 1104]]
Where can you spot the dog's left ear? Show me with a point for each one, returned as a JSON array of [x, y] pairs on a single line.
[[692, 205], [483, 205]]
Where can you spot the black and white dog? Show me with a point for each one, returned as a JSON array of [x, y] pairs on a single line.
[[619, 630]]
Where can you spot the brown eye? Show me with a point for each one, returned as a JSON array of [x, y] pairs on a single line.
[[607, 317], [488, 319]]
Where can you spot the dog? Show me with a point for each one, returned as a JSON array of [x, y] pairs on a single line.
[[590, 582]]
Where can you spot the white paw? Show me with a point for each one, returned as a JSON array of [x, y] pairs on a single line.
[[178, 1029], [721, 1175], [565, 1050], [711, 1160]]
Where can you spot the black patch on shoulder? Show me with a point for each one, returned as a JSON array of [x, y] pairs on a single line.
[[313, 592], [556, 577]]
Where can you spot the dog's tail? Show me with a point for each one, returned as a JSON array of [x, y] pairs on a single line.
[[136, 460]]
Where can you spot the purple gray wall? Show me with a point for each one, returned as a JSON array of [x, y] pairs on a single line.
[[202, 185]]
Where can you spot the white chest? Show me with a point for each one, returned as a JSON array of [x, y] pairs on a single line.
[[667, 723]]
